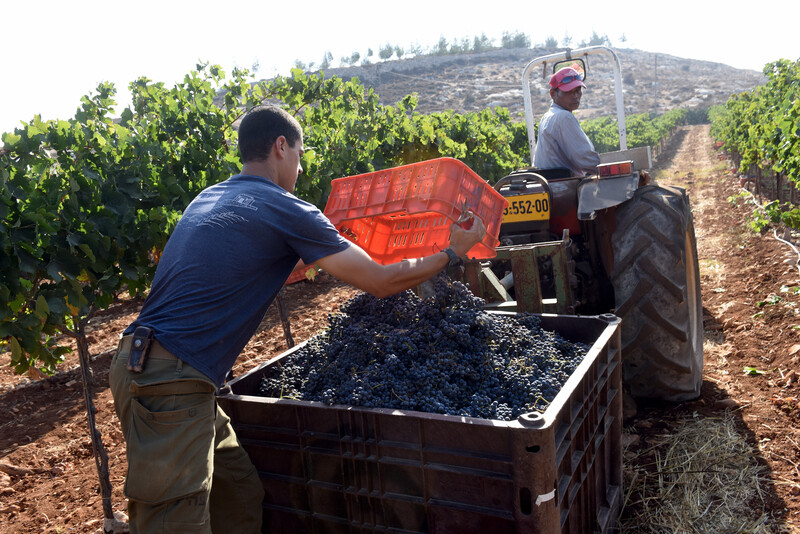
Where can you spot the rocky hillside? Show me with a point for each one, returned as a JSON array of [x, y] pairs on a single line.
[[471, 82]]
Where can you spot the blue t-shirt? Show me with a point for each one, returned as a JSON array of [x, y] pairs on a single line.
[[224, 264]]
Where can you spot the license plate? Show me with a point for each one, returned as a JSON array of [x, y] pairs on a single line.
[[521, 208]]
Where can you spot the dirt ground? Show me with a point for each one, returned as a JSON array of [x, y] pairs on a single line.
[[48, 478], [749, 291]]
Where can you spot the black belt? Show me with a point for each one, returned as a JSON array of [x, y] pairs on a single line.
[[170, 386]]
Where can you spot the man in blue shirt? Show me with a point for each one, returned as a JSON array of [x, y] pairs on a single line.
[[224, 264], [561, 142]]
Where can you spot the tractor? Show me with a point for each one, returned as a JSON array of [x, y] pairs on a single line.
[[608, 242]]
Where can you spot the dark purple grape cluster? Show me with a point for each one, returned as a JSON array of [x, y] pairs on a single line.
[[440, 354]]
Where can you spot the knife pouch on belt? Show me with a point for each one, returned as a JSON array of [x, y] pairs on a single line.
[[140, 346]]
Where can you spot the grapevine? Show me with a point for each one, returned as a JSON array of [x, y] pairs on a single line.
[[440, 354], [643, 129], [761, 128]]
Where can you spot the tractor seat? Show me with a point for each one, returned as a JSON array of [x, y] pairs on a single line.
[[553, 174]]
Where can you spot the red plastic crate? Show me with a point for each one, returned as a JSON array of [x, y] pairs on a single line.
[[406, 212], [297, 275]]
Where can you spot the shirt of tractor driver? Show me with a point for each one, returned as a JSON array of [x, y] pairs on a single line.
[[563, 144]]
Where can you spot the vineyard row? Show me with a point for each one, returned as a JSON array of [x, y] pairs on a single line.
[[760, 130], [88, 203]]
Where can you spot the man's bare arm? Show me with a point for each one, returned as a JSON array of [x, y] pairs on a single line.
[[354, 266]]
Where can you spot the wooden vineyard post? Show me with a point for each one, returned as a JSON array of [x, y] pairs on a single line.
[[284, 313], [100, 455]]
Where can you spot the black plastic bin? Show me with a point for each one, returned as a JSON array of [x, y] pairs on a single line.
[[351, 469]]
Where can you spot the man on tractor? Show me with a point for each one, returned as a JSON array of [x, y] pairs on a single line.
[[561, 142]]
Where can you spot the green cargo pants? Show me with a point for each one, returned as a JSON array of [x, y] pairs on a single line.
[[187, 471]]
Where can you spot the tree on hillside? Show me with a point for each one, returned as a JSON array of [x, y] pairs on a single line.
[[440, 48], [482, 43], [551, 42], [516, 40], [415, 50], [352, 60], [460, 47], [326, 60], [386, 51], [597, 40], [367, 60]]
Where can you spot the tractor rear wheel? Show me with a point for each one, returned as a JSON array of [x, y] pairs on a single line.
[[656, 283]]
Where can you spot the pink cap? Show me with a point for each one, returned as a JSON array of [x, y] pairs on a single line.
[[566, 79]]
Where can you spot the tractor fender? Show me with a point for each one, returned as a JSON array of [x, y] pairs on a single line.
[[596, 193]]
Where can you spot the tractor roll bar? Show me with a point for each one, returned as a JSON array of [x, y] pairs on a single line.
[[564, 56]]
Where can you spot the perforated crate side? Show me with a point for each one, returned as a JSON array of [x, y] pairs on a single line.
[[408, 188], [390, 238], [588, 435]]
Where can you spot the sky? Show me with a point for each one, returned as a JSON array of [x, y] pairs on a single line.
[[54, 52]]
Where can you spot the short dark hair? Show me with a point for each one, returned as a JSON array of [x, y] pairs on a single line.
[[259, 129]]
